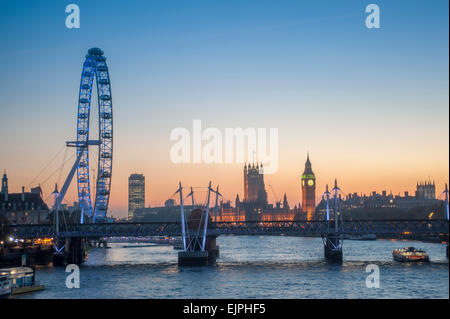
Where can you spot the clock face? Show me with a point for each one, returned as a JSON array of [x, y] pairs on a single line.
[[310, 182], [303, 183]]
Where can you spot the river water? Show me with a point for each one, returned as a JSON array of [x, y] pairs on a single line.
[[252, 267]]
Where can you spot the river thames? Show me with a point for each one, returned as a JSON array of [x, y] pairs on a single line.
[[252, 267]]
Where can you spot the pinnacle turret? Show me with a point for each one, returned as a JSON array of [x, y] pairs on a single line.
[[4, 183]]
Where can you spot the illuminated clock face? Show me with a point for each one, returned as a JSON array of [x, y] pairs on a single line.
[[310, 182], [303, 183]]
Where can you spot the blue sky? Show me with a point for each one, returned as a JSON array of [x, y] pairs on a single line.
[[372, 99]]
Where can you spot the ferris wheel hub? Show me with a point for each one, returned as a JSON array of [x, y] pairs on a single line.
[[82, 144]]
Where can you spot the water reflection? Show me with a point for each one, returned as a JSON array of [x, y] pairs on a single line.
[[252, 267]]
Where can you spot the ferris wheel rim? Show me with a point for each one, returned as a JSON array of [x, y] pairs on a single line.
[[95, 67]]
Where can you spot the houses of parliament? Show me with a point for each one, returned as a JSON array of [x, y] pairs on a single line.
[[254, 206]]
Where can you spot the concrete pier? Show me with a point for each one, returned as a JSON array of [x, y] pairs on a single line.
[[75, 250], [333, 248], [33, 255], [212, 249], [198, 257], [193, 258], [217, 251]]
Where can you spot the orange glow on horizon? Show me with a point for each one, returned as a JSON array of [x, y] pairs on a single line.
[[160, 187]]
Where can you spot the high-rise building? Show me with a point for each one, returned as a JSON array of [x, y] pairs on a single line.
[[308, 190], [136, 193]]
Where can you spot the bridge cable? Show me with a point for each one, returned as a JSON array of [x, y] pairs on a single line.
[[56, 170], [46, 166]]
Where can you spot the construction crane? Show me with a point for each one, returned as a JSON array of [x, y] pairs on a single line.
[[274, 194]]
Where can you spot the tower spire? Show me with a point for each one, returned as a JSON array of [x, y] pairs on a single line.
[[4, 183], [308, 161]]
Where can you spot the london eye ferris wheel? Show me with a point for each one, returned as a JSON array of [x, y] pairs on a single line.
[[94, 67]]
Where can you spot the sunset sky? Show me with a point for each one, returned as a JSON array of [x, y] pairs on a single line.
[[370, 105]]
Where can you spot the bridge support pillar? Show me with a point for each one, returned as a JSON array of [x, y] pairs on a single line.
[[332, 248], [193, 258], [446, 251], [75, 250], [197, 257]]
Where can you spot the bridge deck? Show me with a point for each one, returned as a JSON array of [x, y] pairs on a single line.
[[384, 228]]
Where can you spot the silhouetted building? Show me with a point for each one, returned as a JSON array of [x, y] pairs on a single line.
[[387, 206], [169, 203], [23, 208], [237, 207], [136, 193], [425, 190], [4, 185], [285, 202], [254, 188], [255, 195]]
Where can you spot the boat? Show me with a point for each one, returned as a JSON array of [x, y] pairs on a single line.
[[5, 286], [150, 240], [361, 237], [21, 279], [410, 254]]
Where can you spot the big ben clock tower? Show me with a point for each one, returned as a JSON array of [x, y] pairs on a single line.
[[308, 191]]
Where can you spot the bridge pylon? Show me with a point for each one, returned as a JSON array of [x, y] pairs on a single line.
[[58, 243], [66, 250], [333, 238], [199, 249]]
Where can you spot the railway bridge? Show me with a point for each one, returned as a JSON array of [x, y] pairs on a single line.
[[73, 236]]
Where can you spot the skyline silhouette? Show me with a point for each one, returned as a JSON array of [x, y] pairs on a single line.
[[370, 105]]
